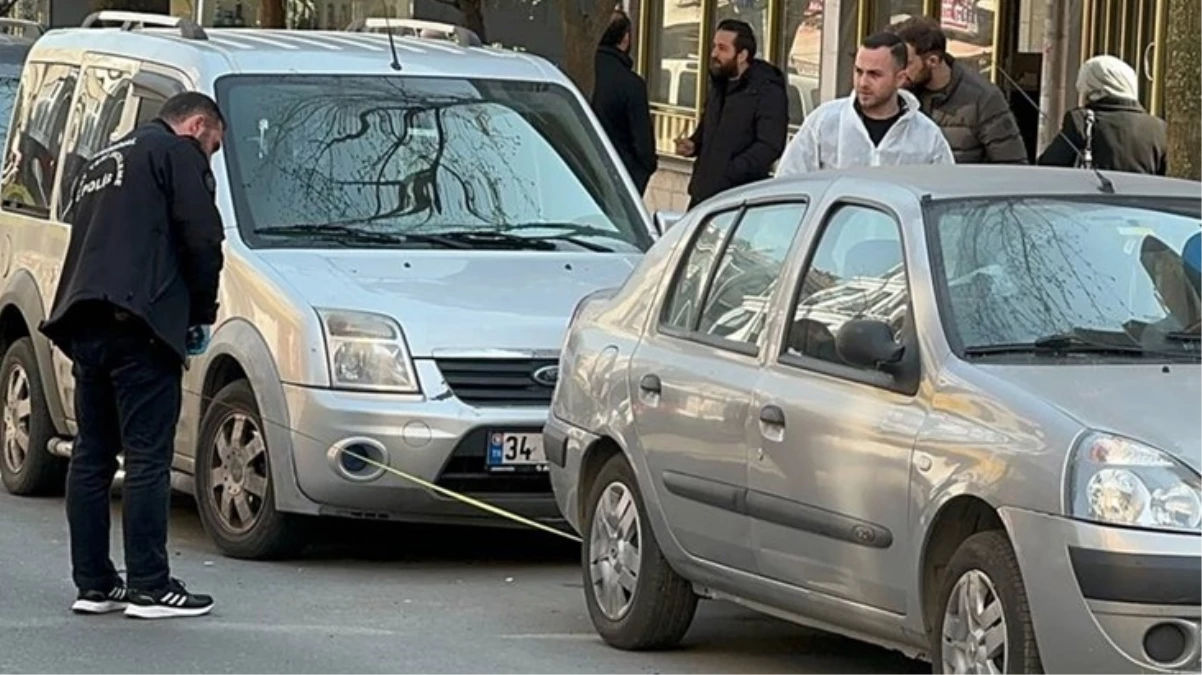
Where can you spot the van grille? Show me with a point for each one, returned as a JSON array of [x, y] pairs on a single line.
[[497, 381]]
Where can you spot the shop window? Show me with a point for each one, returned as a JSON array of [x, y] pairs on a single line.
[[968, 25], [676, 51], [800, 40]]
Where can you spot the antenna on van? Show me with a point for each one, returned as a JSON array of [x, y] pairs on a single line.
[[396, 62]]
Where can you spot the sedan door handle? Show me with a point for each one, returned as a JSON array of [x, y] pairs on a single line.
[[772, 415], [651, 384]]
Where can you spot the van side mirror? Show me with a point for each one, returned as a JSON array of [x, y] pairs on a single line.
[[664, 220], [868, 343]]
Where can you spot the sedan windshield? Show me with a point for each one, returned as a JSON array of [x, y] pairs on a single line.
[[1057, 276], [421, 162]]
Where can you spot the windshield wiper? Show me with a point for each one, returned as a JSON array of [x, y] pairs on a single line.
[[1059, 343], [345, 233], [494, 239]]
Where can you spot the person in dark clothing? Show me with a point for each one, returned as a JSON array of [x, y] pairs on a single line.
[[1121, 136], [620, 102], [137, 295], [971, 111], [744, 125]]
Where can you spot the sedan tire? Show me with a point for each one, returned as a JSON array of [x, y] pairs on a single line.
[[234, 490], [983, 621], [635, 599]]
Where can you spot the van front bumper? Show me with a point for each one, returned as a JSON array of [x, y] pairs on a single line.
[[440, 440], [1108, 599]]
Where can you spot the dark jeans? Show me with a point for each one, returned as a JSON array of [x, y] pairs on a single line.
[[127, 396]]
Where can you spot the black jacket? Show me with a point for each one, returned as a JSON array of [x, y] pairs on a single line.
[[742, 131], [145, 238], [620, 103], [1125, 138]]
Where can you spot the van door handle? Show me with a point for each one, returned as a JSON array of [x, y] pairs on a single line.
[[772, 416], [651, 384]]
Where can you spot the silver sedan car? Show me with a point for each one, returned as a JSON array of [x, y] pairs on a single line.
[[952, 412]]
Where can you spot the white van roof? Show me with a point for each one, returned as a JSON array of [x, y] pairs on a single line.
[[208, 53]]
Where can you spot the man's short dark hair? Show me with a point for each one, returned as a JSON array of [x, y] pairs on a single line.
[[891, 41], [619, 27], [184, 105], [922, 33], [744, 36]]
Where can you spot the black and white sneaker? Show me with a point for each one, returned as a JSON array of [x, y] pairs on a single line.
[[102, 602], [173, 601]]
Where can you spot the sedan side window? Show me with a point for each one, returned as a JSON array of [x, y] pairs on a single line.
[[856, 272], [681, 309]]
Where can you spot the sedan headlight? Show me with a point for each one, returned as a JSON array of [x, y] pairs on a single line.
[[1119, 481], [367, 351]]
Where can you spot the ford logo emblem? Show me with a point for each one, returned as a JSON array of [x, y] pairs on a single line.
[[546, 376]]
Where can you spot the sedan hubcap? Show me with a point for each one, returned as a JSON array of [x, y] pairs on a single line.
[[238, 478], [615, 553], [974, 627], [17, 407]]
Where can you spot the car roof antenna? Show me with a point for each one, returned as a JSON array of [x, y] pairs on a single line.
[[396, 62]]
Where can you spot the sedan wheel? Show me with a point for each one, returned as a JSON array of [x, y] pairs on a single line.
[[614, 546], [974, 627]]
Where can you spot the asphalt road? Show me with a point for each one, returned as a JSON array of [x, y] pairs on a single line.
[[371, 597]]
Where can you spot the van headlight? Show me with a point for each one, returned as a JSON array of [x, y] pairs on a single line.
[[1118, 481], [367, 351]]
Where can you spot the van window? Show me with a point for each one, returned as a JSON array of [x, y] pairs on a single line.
[[151, 91], [99, 110], [421, 162], [33, 149], [11, 62]]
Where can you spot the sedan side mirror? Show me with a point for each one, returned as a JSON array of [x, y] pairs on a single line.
[[868, 343], [664, 220]]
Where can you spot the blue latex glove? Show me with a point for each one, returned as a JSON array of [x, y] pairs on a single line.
[[197, 340]]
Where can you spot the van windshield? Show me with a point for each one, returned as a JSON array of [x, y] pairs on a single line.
[[421, 162]]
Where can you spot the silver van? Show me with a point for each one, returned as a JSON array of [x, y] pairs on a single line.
[[409, 225]]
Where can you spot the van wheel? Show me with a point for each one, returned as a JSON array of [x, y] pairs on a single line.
[[234, 492], [27, 468], [984, 621], [635, 600]]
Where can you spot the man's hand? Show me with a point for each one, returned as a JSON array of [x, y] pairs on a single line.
[[685, 147], [197, 340]]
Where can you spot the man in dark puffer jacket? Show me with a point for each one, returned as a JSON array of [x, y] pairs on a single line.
[[971, 111]]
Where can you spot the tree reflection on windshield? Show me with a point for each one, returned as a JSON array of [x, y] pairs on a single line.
[[415, 155]]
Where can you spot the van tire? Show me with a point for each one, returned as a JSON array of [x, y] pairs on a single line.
[[36, 472], [662, 605], [272, 534]]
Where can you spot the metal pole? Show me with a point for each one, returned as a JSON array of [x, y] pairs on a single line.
[[200, 13], [1052, 84]]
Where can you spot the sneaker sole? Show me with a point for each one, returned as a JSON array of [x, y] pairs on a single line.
[[93, 607], [162, 612]]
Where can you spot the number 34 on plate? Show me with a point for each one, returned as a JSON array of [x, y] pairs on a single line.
[[515, 450]]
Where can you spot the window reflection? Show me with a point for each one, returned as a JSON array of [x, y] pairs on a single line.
[[801, 41], [681, 310], [676, 53], [856, 273], [885, 12], [1016, 270], [968, 25]]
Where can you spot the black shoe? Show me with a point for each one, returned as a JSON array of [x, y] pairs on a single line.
[[102, 602], [173, 601]]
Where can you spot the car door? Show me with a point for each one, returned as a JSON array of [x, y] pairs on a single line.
[[694, 373], [828, 479]]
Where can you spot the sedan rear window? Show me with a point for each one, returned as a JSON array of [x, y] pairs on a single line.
[[1047, 271]]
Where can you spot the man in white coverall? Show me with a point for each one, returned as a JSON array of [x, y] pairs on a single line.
[[880, 124]]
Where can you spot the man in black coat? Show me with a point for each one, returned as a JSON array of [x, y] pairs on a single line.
[[137, 295], [620, 102], [743, 127]]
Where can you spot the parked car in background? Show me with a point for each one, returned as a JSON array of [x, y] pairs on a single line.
[[406, 234], [16, 38], [955, 414]]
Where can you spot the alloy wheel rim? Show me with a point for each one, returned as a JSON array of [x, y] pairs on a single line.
[[615, 551], [18, 407], [238, 477], [974, 627]]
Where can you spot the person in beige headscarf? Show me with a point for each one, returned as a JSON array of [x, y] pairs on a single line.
[[1111, 130]]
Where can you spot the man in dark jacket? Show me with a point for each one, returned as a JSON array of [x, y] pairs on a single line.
[[743, 127], [620, 102], [971, 111], [137, 295]]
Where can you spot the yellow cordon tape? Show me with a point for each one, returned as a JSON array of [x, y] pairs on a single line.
[[470, 501]]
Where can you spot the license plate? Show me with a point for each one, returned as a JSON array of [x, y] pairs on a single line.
[[509, 452]]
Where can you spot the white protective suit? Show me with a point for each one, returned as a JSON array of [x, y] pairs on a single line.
[[834, 137]]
